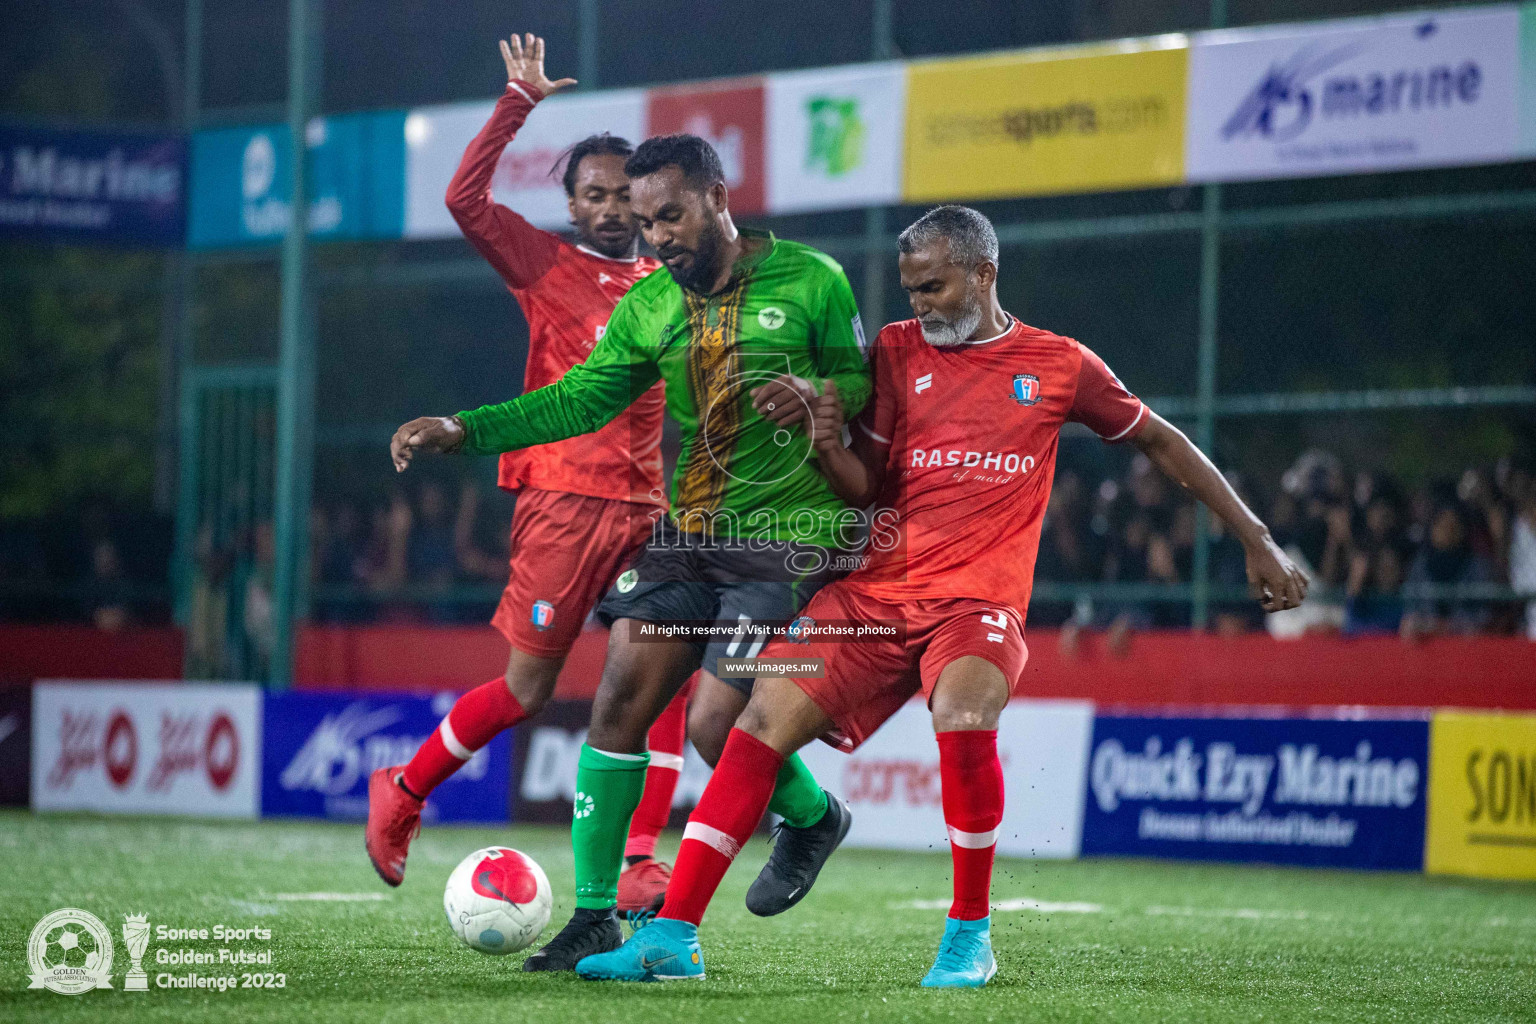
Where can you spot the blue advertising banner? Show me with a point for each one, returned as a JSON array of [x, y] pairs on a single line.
[[1318, 792], [320, 748], [241, 183], [77, 186]]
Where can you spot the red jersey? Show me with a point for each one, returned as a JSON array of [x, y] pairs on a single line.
[[567, 293], [973, 433]]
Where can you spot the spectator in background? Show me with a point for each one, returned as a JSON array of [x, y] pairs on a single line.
[[1447, 559], [382, 568], [1316, 482], [256, 577], [1373, 592], [431, 557], [1487, 520], [1375, 600], [1314, 518], [107, 592], [1522, 554], [1229, 572], [338, 565], [1069, 550], [473, 560]]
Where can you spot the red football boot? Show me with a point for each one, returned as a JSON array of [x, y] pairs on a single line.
[[643, 888], [394, 819]]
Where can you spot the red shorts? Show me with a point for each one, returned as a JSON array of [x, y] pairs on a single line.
[[867, 681], [566, 551]]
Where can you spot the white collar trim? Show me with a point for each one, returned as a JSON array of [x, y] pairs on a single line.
[[1005, 330], [610, 259]]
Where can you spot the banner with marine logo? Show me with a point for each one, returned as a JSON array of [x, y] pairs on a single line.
[[1308, 791], [320, 748], [1367, 94]]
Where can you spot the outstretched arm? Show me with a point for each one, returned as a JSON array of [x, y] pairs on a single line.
[[619, 370], [1272, 577], [520, 252]]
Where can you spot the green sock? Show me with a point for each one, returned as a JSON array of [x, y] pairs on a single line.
[[797, 796], [608, 789]]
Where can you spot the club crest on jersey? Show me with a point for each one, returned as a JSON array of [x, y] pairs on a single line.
[[799, 631], [1026, 388], [543, 615]]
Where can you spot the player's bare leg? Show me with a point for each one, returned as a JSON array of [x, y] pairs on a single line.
[[967, 701], [778, 720], [396, 794], [639, 679], [715, 708]]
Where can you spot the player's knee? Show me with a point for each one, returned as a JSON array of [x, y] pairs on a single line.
[[532, 686], [762, 718], [963, 717], [707, 730], [617, 723]]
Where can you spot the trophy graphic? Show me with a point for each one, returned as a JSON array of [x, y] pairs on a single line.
[[136, 937]]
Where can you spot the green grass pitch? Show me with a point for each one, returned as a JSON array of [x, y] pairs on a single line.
[[1095, 940]]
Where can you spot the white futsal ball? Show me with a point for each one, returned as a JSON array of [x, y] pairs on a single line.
[[497, 900]]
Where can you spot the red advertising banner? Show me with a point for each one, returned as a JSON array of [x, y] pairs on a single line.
[[730, 115]]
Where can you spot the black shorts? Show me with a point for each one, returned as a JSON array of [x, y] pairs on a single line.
[[678, 577]]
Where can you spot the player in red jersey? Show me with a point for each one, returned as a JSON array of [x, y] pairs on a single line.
[[584, 505], [956, 451]]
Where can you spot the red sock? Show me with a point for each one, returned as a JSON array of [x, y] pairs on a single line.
[[472, 722], [973, 810], [665, 741], [732, 805]]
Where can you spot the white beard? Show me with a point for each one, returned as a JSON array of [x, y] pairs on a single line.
[[945, 333]]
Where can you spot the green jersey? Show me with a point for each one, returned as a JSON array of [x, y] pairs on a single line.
[[787, 309]]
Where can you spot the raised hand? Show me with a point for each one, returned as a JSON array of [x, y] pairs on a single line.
[[525, 62], [428, 434]]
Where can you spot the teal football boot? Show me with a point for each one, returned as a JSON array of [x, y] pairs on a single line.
[[663, 950], [965, 957]]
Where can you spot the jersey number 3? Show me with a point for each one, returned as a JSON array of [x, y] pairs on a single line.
[[995, 619]]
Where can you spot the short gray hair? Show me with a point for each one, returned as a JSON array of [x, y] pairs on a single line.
[[970, 235]]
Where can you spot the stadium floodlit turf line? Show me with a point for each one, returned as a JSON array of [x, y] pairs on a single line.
[[1097, 940]]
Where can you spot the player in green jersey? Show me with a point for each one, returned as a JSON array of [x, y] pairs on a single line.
[[745, 329]]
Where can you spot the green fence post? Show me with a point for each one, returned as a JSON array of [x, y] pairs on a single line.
[[296, 365]]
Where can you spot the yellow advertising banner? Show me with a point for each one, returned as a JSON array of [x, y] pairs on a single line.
[[1038, 122], [1482, 796]]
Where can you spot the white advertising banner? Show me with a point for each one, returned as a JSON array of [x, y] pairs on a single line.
[[1372, 94], [146, 748], [893, 787], [436, 137], [834, 137]]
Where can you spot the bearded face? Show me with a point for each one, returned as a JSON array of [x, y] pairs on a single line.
[[946, 328]]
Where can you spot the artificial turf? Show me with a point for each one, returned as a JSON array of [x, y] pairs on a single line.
[[1091, 940]]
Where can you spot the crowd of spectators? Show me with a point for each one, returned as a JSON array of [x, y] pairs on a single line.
[[410, 557], [1439, 558], [1382, 558]]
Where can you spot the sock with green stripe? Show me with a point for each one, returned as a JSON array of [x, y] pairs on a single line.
[[797, 797], [608, 788]]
